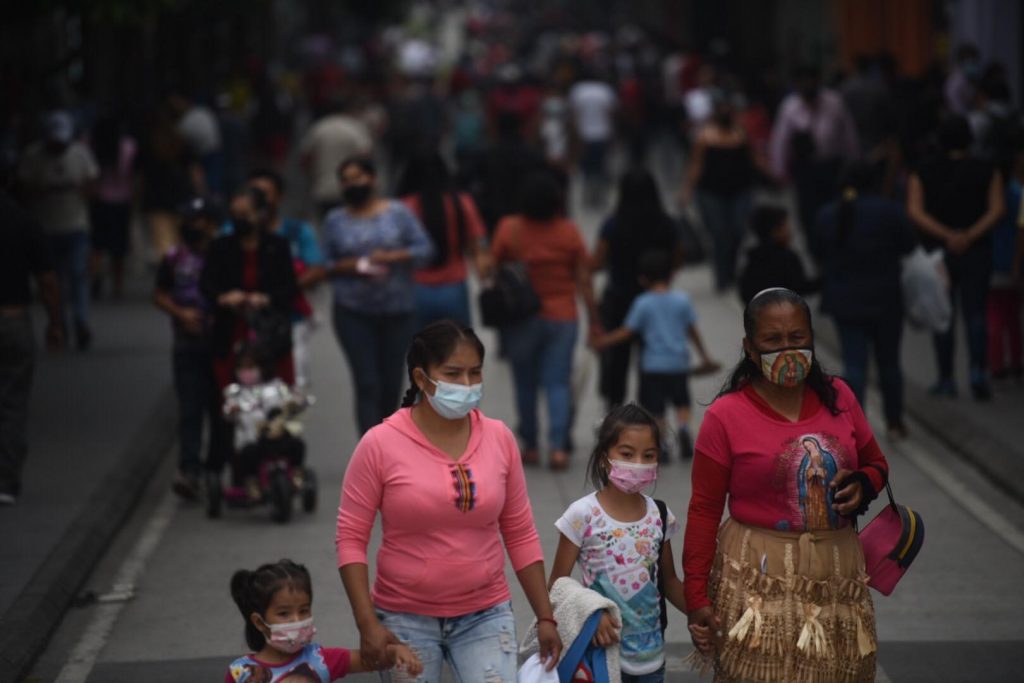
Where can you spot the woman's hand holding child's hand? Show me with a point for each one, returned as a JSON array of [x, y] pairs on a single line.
[[374, 641], [403, 658], [607, 631], [706, 630]]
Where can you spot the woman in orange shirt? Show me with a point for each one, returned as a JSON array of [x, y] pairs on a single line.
[[541, 347]]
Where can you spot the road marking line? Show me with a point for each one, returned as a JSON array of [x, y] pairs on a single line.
[[962, 495], [940, 474], [956, 489], [85, 653]]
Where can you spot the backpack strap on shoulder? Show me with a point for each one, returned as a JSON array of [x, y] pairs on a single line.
[[663, 511]]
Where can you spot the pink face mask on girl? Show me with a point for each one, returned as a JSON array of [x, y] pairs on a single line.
[[632, 477]]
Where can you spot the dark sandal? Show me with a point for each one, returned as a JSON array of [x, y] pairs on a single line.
[[530, 457]]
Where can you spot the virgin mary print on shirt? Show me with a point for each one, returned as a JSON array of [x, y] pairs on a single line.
[[804, 469]]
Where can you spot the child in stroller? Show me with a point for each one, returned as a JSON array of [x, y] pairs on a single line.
[[270, 453]]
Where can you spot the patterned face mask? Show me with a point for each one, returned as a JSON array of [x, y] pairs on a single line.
[[787, 367], [291, 637]]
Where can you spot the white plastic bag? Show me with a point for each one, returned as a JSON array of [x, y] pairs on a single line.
[[925, 285], [532, 671]]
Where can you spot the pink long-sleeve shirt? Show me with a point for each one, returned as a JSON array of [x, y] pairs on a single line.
[[443, 520]]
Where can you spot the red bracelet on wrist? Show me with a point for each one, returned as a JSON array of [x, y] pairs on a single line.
[[550, 620]]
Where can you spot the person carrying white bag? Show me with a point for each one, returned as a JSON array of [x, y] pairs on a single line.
[[925, 284], [955, 200]]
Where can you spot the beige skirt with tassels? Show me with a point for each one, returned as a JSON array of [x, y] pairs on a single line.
[[795, 607]]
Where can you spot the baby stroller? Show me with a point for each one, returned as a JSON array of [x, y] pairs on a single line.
[[270, 451]]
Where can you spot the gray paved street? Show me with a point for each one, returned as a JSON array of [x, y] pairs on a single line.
[[957, 616]]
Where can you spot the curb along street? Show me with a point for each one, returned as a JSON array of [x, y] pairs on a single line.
[[27, 624], [985, 451]]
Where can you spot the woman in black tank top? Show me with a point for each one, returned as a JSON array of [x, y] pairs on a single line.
[[955, 200], [722, 173]]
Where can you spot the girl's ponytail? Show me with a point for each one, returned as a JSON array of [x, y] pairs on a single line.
[[242, 594], [240, 588]]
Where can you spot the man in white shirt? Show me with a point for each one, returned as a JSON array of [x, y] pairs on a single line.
[[200, 129], [330, 141], [813, 137], [593, 104], [57, 173]]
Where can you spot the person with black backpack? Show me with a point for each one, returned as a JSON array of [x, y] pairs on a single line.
[[540, 345]]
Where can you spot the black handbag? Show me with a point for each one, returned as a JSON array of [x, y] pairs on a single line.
[[509, 298]]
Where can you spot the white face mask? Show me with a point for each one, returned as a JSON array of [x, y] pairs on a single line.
[[291, 637], [454, 401]]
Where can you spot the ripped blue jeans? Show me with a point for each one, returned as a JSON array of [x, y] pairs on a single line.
[[479, 647]]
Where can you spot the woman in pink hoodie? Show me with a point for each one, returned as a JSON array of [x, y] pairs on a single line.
[[449, 485]]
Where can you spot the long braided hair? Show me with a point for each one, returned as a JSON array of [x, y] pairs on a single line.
[[433, 345], [746, 370], [427, 177], [252, 591]]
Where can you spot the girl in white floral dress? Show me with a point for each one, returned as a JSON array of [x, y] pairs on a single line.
[[620, 539]]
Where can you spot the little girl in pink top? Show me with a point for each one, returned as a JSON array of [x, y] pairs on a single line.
[[449, 485]]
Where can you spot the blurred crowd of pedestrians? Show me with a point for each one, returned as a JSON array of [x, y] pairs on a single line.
[[480, 154]]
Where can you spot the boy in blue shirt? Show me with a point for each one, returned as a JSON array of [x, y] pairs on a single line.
[[664, 319]]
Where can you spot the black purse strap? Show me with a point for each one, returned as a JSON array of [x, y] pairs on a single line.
[[888, 491], [885, 478]]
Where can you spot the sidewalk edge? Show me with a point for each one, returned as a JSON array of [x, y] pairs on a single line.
[[988, 453], [958, 432], [28, 623]]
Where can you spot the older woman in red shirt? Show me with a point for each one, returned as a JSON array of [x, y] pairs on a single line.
[[781, 583]]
